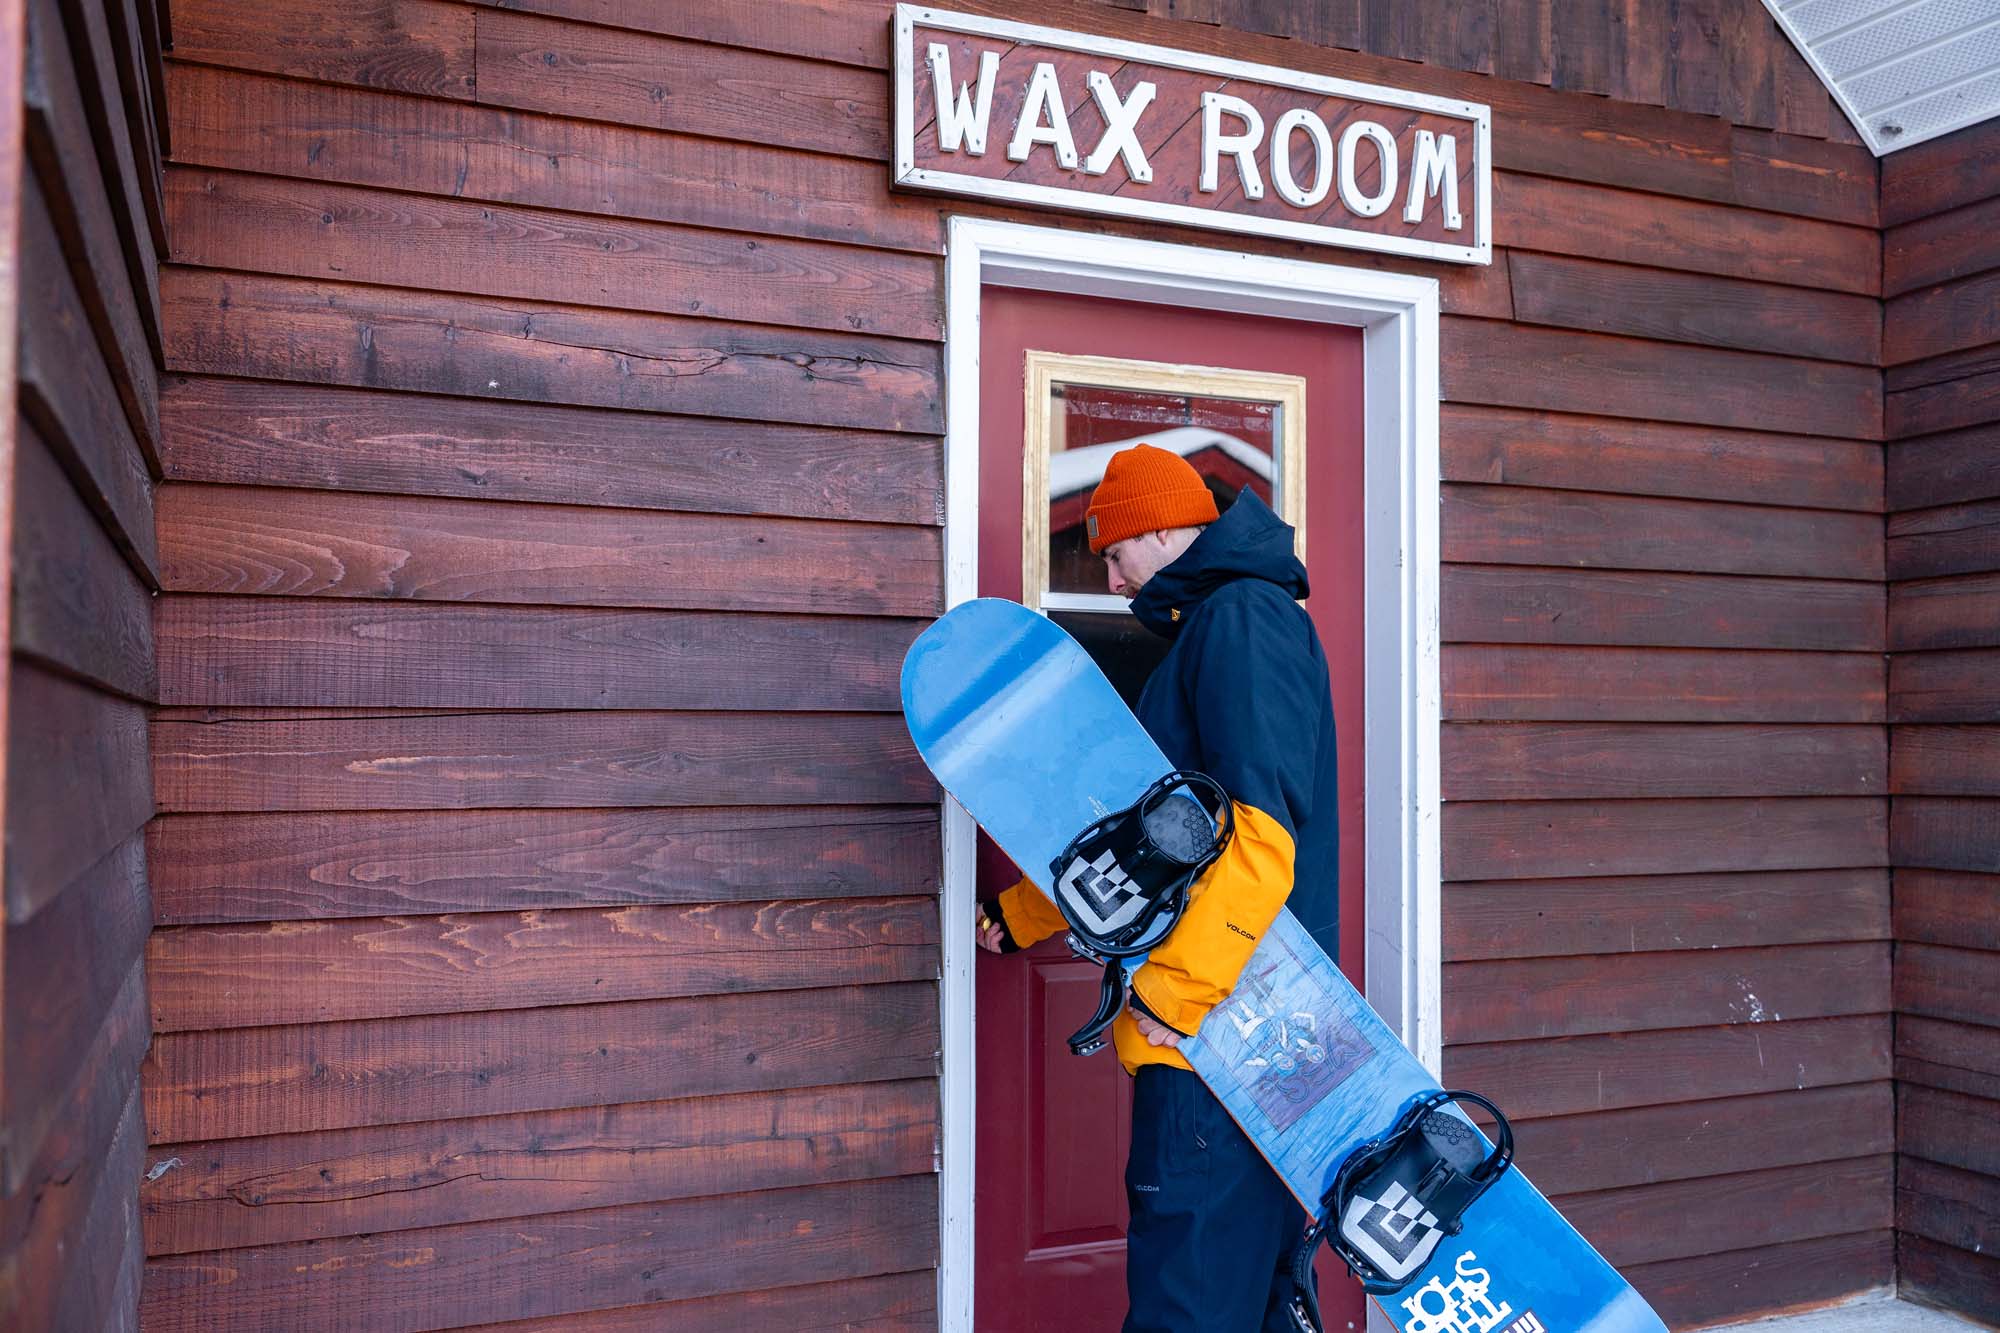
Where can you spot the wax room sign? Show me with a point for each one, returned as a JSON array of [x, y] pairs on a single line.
[[1054, 119]]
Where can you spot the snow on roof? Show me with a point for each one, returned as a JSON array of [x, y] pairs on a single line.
[[1073, 470]]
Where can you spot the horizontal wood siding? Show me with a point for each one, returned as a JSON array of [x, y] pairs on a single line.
[[554, 479], [1941, 272], [79, 396]]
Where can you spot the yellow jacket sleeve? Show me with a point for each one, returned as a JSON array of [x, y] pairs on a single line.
[[1029, 916], [1229, 909]]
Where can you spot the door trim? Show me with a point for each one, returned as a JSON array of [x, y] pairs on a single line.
[[1398, 316]]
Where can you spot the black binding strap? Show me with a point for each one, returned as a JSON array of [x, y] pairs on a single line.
[[1396, 1196], [1123, 882]]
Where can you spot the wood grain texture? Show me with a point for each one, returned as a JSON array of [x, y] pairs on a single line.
[[1961, 686], [554, 1265], [1766, 1279], [893, 1303], [1949, 1128], [1945, 173], [365, 137], [77, 780], [1940, 1044], [1944, 1204], [240, 539], [1572, 1075], [1946, 832], [1940, 319], [1626, 377], [1945, 761], [1948, 1276], [281, 1080], [99, 1219], [1683, 1219], [1529, 998], [334, 333], [235, 976], [1590, 684], [77, 603], [1691, 308], [1574, 761], [1541, 839], [421, 761], [415, 46], [314, 652], [1518, 525], [850, 32], [1948, 540], [293, 1187], [1956, 983], [537, 64], [243, 432], [1946, 469], [1522, 604], [283, 867], [1516, 447], [1953, 612], [1602, 917], [309, 229], [1691, 1140], [1942, 248], [1948, 404]]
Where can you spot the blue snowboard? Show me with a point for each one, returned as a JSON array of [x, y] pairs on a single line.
[[1003, 706]]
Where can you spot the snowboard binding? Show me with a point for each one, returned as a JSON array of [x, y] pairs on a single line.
[[1397, 1196], [1123, 882]]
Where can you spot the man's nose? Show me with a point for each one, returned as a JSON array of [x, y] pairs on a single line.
[[1117, 584]]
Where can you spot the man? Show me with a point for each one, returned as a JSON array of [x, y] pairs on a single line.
[[1243, 695]]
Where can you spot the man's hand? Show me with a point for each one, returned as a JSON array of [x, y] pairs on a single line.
[[1156, 1034], [992, 935]]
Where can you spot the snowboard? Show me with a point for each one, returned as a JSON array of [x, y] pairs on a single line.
[[1023, 730]]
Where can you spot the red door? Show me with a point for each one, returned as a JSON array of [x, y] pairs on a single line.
[[1053, 1129]]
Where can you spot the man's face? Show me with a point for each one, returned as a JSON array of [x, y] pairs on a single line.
[[1128, 564]]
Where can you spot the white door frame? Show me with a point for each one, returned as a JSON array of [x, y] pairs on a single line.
[[1398, 316]]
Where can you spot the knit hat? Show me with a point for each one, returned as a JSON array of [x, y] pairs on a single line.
[[1146, 489]]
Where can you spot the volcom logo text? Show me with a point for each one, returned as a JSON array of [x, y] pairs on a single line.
[[1239, 930]]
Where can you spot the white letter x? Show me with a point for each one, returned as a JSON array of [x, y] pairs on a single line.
[[1121, 120]]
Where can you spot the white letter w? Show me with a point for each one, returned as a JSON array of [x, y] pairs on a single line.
[[963, 116]]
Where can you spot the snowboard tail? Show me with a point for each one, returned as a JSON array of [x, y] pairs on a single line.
[[1022, 729]]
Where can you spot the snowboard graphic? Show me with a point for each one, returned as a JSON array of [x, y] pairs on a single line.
[[1004, 707]]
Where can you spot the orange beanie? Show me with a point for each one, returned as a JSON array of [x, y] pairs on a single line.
[[1146, 489]]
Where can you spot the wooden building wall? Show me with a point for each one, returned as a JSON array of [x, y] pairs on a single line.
[[1941, 335], [84, 419], [551, 440]]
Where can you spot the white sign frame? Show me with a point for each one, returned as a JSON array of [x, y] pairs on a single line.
[[910, 17]]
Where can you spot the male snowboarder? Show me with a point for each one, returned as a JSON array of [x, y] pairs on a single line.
[[1243, 696]]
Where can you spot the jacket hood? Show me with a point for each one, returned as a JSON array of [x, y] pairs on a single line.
[[1247, 542]]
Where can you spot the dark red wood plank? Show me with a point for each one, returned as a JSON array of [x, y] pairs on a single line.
[[1598, 917], [1947, 982], [1694, 308], [1941, 249], [1973, 1047], [82, 1268], [1970, 400], [283, 867], [1521, 999], [292, 1187], [1944, 469], [309, 229], [77, 780], [248, 433], [1811, 177], [1941, 319], [1947, 172], [1957, 364], [1684, 1218], [1554, 839], [1960, 686], [1945, 1204], [447, 1276], [1768, 1279], [1626, 377], [76, 602], [1957, 612], [211, 1085], [1624, 456], [1570, 1075], [233, 976], [1571, 761], [317, 652], [69, 1128], [241, 539], [1945, 761], [1949, 1128], [1691, 1140], [364, 137], [1589, 684], [1952, 539], [66, 388], [1499, 604], [412, 46], [1564, 217], [1951, 834], [894, 1303], [218, 761], [851, 32], [1949, 1277], [538, 64], [1519, 525], [332, 333]]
